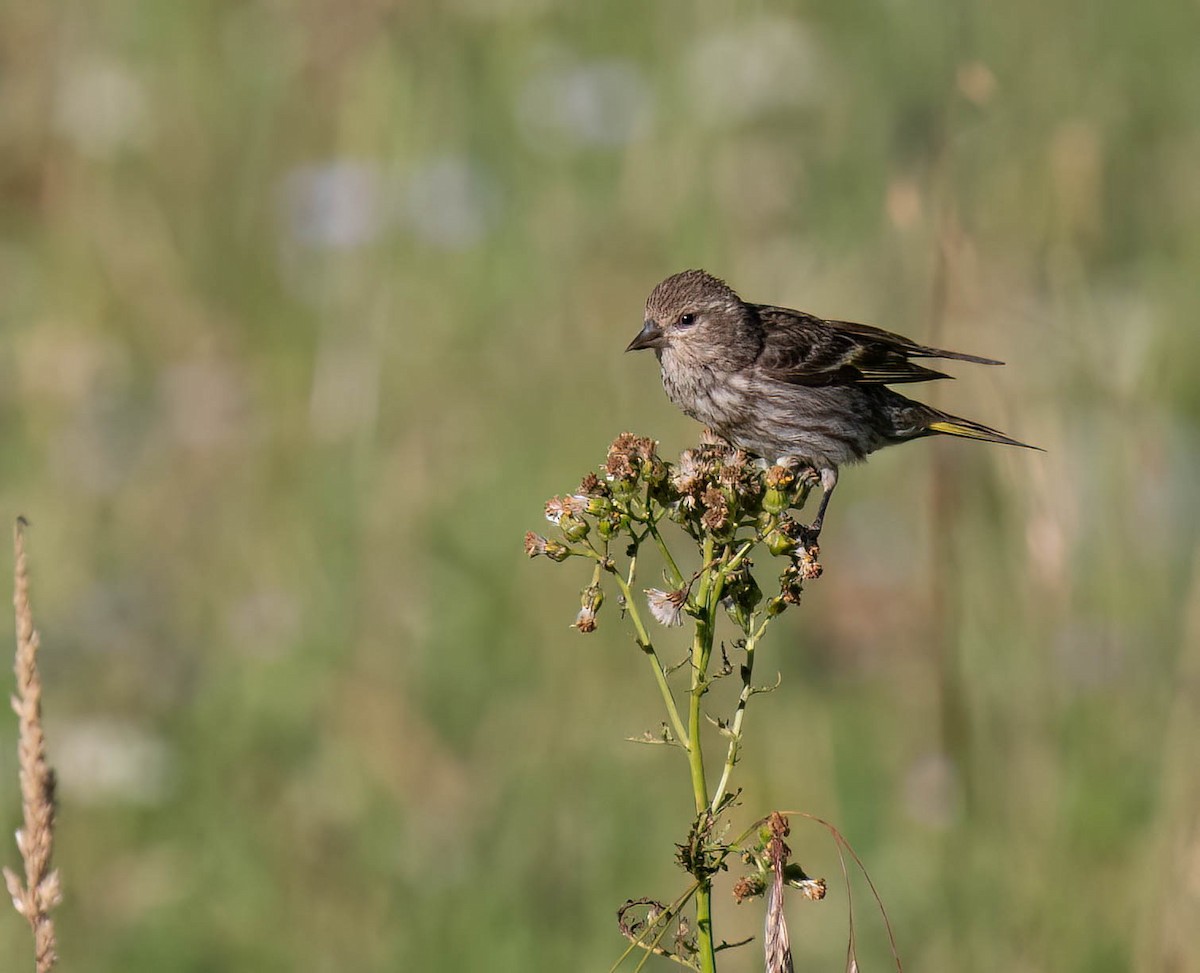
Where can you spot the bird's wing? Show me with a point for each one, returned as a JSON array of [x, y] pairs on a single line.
[[802, 349]]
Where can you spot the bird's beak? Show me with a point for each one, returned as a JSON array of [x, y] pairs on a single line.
[[650, 336]]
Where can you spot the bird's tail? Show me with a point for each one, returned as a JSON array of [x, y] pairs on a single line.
[[953, 426]]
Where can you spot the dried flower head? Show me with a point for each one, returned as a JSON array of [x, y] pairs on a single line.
[[688, 475], [791, 587], [536, 546], [780, 477], [716, 512], [748, 887], [628, 454], [811, 888], [737, 473], [591, 598], [592, 486], [806, 562], [568, 506], [666, 606]]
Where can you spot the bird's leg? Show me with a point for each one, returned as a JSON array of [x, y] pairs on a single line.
[[829, 478]]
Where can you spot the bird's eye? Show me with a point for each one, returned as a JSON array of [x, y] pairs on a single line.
[[687, 320]]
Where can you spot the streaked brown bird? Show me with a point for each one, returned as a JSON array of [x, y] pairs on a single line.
[[790, 386]]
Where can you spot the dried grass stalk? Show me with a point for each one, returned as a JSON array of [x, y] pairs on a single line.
[[776, 943], [40, 891]]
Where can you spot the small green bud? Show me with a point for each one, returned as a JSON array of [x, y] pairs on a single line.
[[776, 501], [624, 489], [595, 505], [742, 595], [557, 550], [779, 543], [573, 528], [654, 470]]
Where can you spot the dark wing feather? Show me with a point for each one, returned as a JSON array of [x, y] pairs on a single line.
[[802, 349]]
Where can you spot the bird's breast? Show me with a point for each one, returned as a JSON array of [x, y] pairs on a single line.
[[700, 393]]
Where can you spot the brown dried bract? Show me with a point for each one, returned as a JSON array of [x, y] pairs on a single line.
[[627, 454], [716, 514], [592, 486], [748, 887]]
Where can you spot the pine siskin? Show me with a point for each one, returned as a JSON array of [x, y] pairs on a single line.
[[790, 386]]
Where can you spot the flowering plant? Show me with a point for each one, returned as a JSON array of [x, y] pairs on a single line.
[[729, 505]]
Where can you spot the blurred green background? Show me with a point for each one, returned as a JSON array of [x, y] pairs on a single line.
[[308, 307]]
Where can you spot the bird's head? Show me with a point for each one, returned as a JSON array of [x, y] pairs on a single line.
[[697, 318]]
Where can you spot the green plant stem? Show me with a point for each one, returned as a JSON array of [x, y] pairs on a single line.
[[701, 653], [647, 646], [672, 567], [735, 728], [735, 562], [708, 597]]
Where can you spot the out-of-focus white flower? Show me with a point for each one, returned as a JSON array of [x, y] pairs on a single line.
[[447, 201], [335, 205], [99, 106], [111, 762], [600, 103]]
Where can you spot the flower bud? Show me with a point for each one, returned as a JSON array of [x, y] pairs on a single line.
[[776, 501], [594, 505], [623, 489], [742, 595], [557, 551], [780, 478], [573, 528], [591, 598], [654, 470], [779, 543]]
